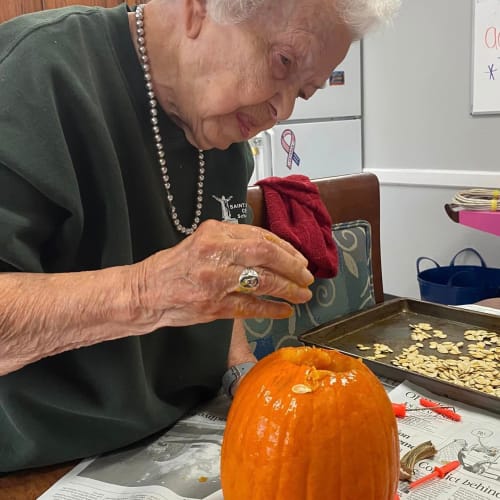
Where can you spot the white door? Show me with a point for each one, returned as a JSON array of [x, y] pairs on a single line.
[[341, 96], [316, 149], [261, 151]]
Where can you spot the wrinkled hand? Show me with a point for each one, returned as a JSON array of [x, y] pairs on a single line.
[[197, 280]]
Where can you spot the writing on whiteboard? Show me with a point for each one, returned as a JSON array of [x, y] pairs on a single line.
[[492, 37], [486, 57]]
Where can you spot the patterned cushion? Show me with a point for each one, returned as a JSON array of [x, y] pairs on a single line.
[[351, 290]]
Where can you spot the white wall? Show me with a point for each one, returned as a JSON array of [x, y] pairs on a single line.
[[414, 224], [420, 139]]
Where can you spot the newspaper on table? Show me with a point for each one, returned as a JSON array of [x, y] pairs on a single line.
[[180, 464], [183, 463], [474, 441]]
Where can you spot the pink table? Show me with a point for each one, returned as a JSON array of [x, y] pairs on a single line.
[[487, 221]]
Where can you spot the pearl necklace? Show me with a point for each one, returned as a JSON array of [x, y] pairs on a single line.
[[153, 112]]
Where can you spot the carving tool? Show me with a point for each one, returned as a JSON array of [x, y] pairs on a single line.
[[439, 472], [442, 410], [400, 409]]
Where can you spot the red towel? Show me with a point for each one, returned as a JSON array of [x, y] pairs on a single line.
[[296, 213]]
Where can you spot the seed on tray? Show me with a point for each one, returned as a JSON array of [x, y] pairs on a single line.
[[478, 355], [362, 347], [424, 326], [477, 370], [379, 350], [382, 348], [440, 336], [419, 336], [476, 374]]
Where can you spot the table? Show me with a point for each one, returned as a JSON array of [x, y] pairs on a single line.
[[493, 303], [482, 220], [30, 484]]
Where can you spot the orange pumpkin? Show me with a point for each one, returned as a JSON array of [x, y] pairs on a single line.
[[310, 424]]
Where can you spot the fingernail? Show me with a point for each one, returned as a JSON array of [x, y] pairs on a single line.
[[286, 313], [304, 261], [301, 295], [307, 277]]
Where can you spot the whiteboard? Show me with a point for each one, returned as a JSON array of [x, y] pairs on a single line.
[[486, 57]]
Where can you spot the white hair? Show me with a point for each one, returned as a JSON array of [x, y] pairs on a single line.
[[359, 15], [233, 11], [362, 15]]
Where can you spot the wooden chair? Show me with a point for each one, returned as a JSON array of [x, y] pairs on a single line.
[[347, 198]]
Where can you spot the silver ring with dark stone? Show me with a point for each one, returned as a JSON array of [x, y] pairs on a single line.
[[248, 280]]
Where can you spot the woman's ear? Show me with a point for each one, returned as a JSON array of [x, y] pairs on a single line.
[[195, 12]]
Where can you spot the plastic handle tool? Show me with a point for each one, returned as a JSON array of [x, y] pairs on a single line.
[[439, 472], [445, 411], [400, 409]]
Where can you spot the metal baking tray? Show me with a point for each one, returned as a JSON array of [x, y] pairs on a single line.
[[388, 323]]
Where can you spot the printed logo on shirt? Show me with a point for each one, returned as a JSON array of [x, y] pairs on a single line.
[[231, 212]]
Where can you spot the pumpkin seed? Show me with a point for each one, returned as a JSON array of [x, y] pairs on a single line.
[[301, 389]]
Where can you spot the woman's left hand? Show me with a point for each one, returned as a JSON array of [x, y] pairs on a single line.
[[198, 280]]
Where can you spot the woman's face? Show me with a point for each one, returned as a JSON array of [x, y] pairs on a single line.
[[240, 79]]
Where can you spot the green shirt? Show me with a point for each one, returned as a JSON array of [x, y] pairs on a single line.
[[81, 189]]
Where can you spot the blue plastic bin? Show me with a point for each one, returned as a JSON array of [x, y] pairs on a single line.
[[455, 285]]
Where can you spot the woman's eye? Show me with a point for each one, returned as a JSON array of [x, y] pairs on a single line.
[[281, 65], [285, 60]]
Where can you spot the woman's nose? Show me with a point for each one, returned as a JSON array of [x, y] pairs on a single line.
[[285, 102]]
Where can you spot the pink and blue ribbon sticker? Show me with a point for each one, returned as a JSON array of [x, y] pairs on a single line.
[[288, 144]]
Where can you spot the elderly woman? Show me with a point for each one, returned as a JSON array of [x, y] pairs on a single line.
[[120, 281]]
